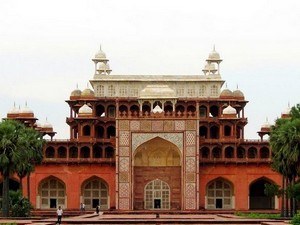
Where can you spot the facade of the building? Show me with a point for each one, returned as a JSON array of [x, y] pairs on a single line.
[[154, 142]]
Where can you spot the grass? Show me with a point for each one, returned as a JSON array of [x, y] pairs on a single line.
[[258, 215]]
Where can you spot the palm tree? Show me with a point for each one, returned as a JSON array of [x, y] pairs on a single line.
[[285, 143], [19, 147]]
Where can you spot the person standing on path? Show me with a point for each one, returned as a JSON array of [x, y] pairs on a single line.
[[59, 213]]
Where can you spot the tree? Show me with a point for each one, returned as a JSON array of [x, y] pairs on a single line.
[[20, 149], [285, 143]]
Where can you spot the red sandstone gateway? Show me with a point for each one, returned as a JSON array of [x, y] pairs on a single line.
[[154, 142]]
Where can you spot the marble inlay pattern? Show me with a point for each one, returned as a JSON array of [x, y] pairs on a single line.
[[191, 125], [140, 138], [190, 164], [124, 151], [123, 164], [190, 203], [124, 190], [124, 203], [190, 138], [123, 125], [190, 190], [179, 125], [124, 138], [190, 151], [168, 125], [146, 125], [190, 177], [134, 125], [123, 177], [157, 125]]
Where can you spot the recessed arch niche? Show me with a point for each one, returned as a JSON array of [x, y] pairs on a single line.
[[157, 159]]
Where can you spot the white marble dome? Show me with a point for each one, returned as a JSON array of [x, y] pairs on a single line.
[[214, 55], [229, 110], [100, 54], [26, 110], [238, 94], [47, 125], [85, 109]]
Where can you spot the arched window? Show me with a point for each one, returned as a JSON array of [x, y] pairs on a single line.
[[239, 131], [109, 152], [168, 109], [99, 132], [214, 132], [86, 130], [216, 153], [85, 152], [134, 109], [191, 109], [179, 109], [111, 111], [75, 132], [214, 111], [227, 130], [264, 153], [50, 152], [95, 192], [241, 153], [111, 132], [203, 131], [52, 192], [204, 152], [146, 109], [157, 195], [73, 152], [97, 151], [219, 195], [100, 111], [203, 111], [123, 110], [252, 153], [61, 152], [229, 152]]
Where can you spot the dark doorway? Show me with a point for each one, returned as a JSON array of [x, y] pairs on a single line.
[[95, 203], [157, 203], [53, 203], [258, 198], [219, 203]]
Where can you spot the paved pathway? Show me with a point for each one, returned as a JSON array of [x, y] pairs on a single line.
[[213, 219]]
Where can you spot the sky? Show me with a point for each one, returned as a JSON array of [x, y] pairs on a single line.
[[46, 49]]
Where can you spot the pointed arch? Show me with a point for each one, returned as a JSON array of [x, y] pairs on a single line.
[[52, 193], [220, 194], [95, 192]]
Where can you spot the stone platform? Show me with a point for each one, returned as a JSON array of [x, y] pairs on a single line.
[[152, 218]]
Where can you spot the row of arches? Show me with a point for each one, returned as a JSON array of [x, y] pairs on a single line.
[[84, 152], [93, 192], [100, 131], [169, 107], [213, 131], [217, 152], [219, 194]]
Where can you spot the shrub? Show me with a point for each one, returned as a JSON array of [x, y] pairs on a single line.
[[20, 206], [296, 220]]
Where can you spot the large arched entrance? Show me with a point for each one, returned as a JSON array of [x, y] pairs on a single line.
[[157, 175], [52, 193], [219, 194], [258, 199], [95, 193]]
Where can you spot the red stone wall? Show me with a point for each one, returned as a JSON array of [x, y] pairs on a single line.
[[73, 176], [171, 175], [240, 176]]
